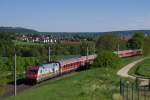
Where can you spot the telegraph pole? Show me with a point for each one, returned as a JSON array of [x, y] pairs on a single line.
[[87, 53], [49, 53], [15, 87], [118, 49], [94, 50]]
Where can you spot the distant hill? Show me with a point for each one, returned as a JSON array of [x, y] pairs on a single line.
[[129, 33], [93, 35], [17, 30]]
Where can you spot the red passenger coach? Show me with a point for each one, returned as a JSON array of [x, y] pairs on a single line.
[[70, 64], [129, 53], [74, 63], [91, 59]]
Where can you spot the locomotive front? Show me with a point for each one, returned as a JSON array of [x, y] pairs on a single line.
[[31, 74]]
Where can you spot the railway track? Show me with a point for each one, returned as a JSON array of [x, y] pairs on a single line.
[[23, 86]]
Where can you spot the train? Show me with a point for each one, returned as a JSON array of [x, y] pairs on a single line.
[[36, 74], [129, 53]]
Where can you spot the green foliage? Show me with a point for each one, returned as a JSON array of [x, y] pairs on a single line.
[[56, 49], [2, 85], [107, 59], [6, 64], [137, 41], [109, 42], [6, 44], [146, 47], [86, 45]]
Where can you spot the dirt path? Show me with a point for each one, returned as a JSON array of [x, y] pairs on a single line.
[[123, 72]]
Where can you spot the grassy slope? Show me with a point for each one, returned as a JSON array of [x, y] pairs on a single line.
[[94, 84], [141, 69]]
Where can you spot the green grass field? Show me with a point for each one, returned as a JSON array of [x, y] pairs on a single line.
[[93, 84], [141, 69], [27, 43]]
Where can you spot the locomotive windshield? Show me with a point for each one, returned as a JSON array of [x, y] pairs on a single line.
[[33, 71]]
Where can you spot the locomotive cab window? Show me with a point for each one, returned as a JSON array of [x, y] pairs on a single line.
[[33, 71]]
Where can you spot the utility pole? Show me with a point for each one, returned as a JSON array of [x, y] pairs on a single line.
[[87, 53], [118, 49], [94, 49], [15, 80], [49, 52]]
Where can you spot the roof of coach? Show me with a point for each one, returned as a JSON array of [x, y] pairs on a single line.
[[68, 61], [125, 51], [76, 59], [92, 56], [88, 57]]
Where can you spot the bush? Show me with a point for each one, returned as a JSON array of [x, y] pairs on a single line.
[[107, 59], [146, 47], [2, 86], [137, 41]]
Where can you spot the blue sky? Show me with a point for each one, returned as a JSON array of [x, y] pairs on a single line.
[[76, 15]]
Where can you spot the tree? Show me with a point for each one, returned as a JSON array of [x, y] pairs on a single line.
[[83, 48], [107, 59], [137, 41], [6, 44], [146, 47], [108, 42]]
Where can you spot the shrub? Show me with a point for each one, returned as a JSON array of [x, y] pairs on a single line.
[[2, 85], [107, 59], [146, 47]]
